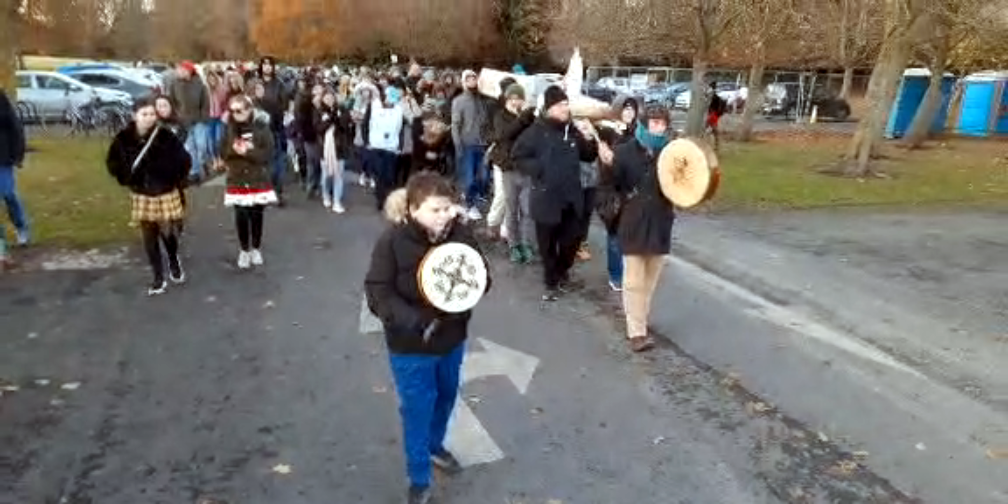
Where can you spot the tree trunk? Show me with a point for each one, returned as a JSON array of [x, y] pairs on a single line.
[[9, 24], [754, 102], [698, 97], [920, 127], [889, 67], [848, 81]]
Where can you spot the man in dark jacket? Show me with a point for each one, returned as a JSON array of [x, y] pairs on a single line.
[[645, 224], [12, 152], [275, 101], [550, 152]]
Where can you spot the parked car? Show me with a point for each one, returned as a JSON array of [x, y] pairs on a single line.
[[52, 94], [733, 94], [664, 93], [782, 101], [136, 87]]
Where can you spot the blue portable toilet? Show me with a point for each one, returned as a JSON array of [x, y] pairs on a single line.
[[913, 87], [984, 108]]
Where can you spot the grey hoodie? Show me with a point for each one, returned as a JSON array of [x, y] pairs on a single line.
[[468, 118]]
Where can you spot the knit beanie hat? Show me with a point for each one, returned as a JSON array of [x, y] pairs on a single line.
[[552, 96], [514, 91]]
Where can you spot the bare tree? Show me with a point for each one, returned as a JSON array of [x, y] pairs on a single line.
[[711, 19], [762, 24], [10, 27], [856, 28], [907, 23]]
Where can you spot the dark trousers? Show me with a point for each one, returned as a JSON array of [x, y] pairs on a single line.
[[382, 166], [558, 246], [154, 235], [279, 161], [249, 222], [585, 218], [427, 386], [403, 169]]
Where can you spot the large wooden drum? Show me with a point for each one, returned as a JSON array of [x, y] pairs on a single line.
[[688, 172]]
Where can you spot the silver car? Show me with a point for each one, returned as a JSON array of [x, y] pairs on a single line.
[[51, 95]]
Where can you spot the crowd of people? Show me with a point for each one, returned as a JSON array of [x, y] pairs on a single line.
[[451, 152]]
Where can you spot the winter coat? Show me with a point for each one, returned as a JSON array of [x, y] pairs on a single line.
[[393, 293], [12, 137], [645, 224], [191, 99], [162, 169], [251, 171], [432, 156], [550, 153], [507, 127]]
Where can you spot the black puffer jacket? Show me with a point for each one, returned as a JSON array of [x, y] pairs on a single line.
[[551, 152], [12, 138], [393, 293], [162, 169], [645, 224]]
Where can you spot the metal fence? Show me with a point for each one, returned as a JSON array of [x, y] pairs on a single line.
[[643, 76]]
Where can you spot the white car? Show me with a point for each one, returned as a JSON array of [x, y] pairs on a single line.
[[731, 93], [53, 94]]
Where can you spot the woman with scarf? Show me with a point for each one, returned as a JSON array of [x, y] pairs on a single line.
[[645, 222], [426, 370], [153, 163], [246, 151]]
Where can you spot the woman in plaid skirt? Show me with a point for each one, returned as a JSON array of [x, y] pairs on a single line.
[[153, 163], [246, 151]]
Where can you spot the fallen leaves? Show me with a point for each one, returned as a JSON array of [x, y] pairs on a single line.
[[758, 407]]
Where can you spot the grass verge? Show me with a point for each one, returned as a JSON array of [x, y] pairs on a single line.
[[70, 198], [775, 174]]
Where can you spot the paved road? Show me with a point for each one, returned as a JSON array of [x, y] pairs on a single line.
[[270, 387]]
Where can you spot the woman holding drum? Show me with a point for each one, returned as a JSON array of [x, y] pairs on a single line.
[[426, 275], [653, 176]]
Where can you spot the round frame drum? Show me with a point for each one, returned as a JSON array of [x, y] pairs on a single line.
[[688, 172], [452, 277]]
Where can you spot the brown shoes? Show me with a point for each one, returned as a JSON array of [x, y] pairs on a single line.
[[641, 343]]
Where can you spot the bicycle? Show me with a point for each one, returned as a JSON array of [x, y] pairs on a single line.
[[98, 115]]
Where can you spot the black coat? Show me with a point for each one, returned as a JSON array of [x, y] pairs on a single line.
[[12, 138], [550, 153], [163, 168], [433, 156], [645, 224], [507, 128], [393, 293]]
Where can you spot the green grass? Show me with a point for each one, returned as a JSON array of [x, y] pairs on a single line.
[[784, 174], [70, 198]]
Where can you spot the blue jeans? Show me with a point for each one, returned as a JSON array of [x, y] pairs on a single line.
[[279, 161], [614, 259], [313, 166], [8, 192], [473, 173], [216, 131], [198, 146], [427, 386], [332, 183]]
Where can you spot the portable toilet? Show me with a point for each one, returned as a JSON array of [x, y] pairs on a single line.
[[984, 108], [913, 87]]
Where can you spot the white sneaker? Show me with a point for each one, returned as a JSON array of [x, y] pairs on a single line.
[[474, 214], [362, 180], [244, 260], [327, 203], [371, 183], [256, 257], [338, 208]]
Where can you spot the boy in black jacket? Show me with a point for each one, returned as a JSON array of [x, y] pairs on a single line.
[[426, 346]]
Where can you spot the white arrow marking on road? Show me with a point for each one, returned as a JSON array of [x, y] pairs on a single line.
[[467, 438]]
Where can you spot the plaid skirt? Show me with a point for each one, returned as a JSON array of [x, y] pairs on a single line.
[[164, 208]]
